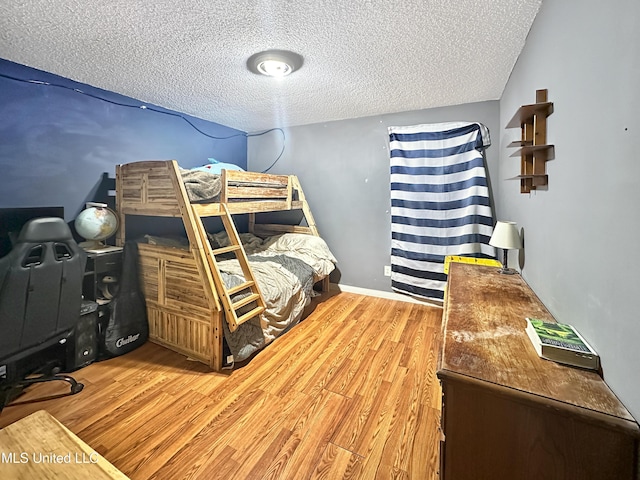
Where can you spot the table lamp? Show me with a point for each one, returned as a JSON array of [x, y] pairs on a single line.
[[506, 236]]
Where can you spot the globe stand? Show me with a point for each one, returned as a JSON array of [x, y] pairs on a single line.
[[92, 245]]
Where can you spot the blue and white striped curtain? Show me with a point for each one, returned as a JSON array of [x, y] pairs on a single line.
[[439, 202]]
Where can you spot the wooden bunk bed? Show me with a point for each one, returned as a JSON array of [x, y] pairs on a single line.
[[185, 294]]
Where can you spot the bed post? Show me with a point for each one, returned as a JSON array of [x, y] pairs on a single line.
[[310, 220], [217, 336], [121, 234], [305, 206], [252, 222]]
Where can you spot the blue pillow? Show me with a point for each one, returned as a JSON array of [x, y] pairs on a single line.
[[216, 167]]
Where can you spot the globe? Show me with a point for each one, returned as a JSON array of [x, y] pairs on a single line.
[[96, 223]]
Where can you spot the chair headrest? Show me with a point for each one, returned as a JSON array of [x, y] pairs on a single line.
[[45, 229]]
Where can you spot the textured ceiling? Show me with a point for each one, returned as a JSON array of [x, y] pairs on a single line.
[[361, 57]]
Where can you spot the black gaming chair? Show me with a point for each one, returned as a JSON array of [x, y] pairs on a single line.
[[40, 297]]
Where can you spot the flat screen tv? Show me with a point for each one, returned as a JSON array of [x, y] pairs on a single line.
[[13, 219]]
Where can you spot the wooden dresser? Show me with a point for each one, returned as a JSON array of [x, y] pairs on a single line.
[[40, 447], [507, 413]]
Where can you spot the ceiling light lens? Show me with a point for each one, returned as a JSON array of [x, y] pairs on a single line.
[[274, 63], [274, 68]]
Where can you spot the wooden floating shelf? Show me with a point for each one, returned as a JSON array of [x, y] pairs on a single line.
[[529, 176], [519, 143], [535, 180], [531, 149], [532, 146], [527, 112]]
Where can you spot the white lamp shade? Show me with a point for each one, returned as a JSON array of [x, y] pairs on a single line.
[[506, 236]]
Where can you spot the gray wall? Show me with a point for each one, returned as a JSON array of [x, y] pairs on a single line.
[[344, 170], [581, 235]]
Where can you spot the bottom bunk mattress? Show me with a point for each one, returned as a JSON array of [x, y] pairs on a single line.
[[285, 268]]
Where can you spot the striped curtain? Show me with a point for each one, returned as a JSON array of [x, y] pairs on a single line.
[[439, 203]]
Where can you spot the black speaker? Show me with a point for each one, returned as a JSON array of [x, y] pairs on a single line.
[[85, 350]]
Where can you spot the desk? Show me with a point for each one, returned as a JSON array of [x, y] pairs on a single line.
[[39, 447], [506, 412]]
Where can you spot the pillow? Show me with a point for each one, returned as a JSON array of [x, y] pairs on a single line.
[[216, 167], [312, 250], [300, 241]]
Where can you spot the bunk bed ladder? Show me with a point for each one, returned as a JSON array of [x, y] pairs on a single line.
[[233, 309]]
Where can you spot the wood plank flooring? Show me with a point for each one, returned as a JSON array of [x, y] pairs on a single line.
[[349, 393]]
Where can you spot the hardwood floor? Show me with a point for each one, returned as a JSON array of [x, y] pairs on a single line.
[[349, 393]]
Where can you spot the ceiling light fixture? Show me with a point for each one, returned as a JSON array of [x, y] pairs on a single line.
[[274, 63]]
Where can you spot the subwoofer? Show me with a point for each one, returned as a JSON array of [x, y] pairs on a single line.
[[85, 349]]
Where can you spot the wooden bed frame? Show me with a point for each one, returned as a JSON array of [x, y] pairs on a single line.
[[185, 296]]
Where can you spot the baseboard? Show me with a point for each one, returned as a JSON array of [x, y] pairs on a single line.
[[338, 287]]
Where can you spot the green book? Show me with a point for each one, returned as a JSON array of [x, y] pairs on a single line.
[[561, 343]]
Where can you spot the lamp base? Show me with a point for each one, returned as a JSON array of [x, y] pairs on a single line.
[[506, 270]]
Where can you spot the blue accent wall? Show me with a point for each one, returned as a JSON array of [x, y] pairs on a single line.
[[56, 143]]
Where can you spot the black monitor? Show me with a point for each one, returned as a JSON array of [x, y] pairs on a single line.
[[13, 219]]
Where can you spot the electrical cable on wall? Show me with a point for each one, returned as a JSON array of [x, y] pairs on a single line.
[[281, 151], [152, 109]]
